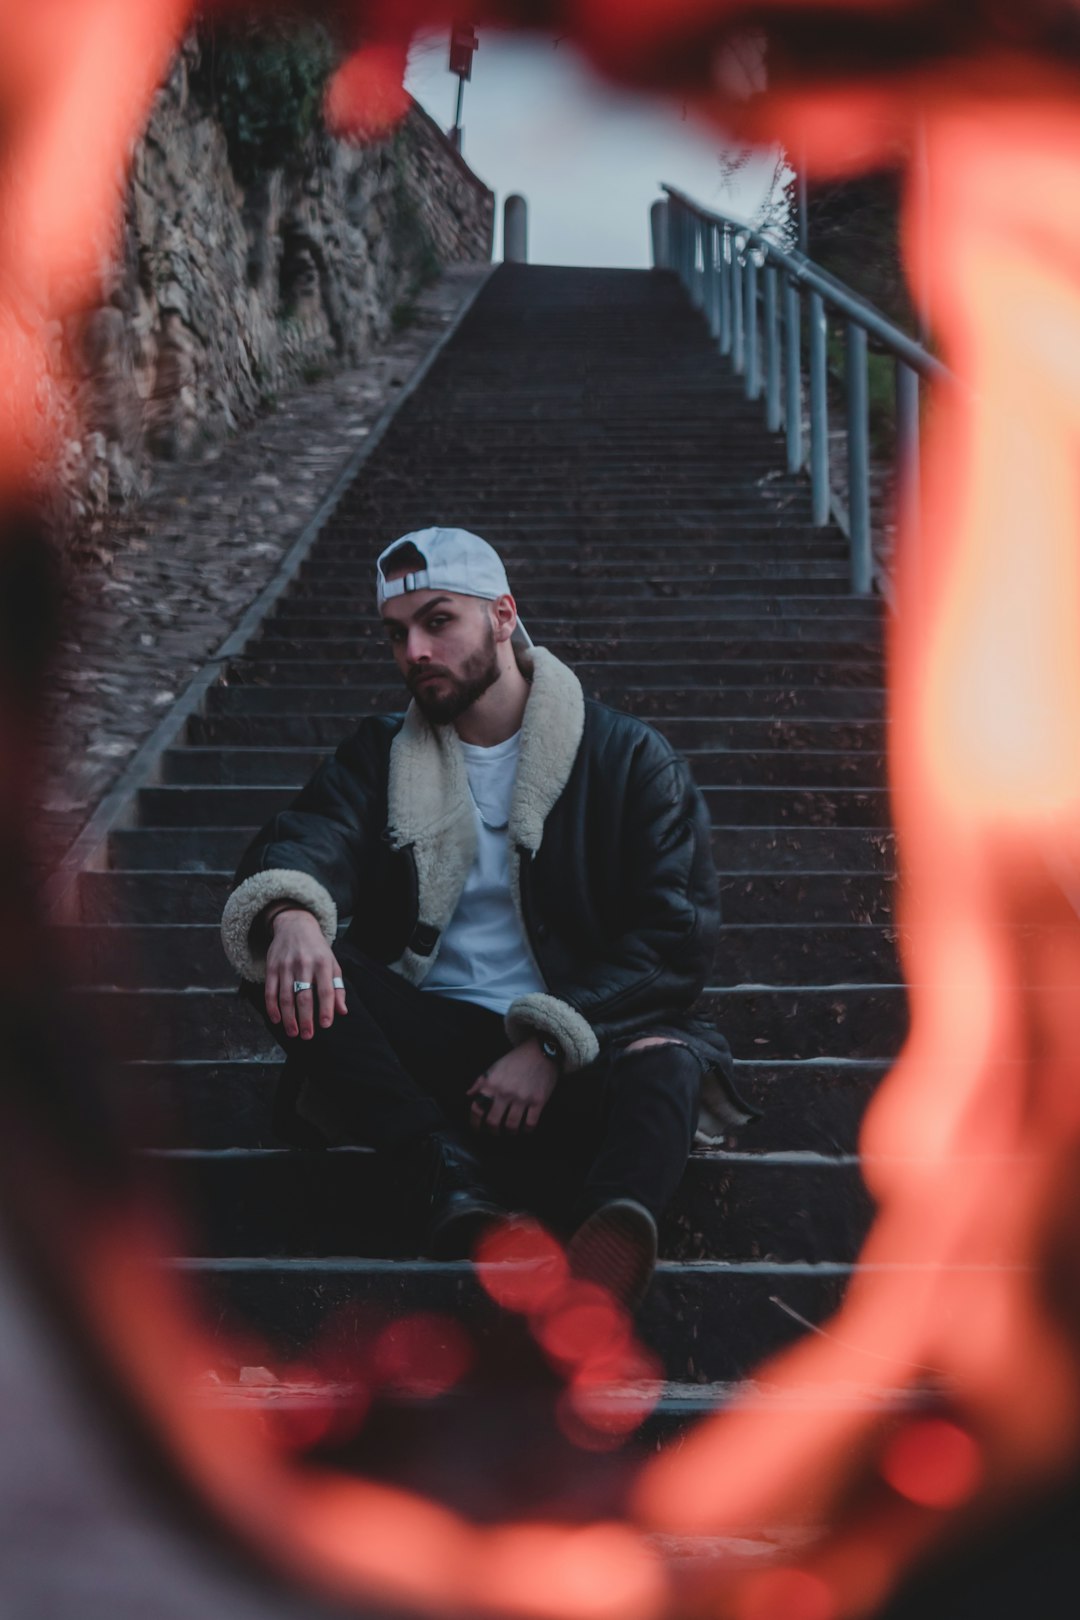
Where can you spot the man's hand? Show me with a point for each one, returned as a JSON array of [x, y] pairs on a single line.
[[299, 950], [519, 1085]]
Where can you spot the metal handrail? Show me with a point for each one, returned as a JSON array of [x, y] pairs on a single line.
[[720, 261]]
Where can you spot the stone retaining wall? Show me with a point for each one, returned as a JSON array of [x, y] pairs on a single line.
[[222, 295]]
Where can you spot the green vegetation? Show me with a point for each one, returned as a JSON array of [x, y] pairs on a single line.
[[881, 386], [410, 235], [265, 83]]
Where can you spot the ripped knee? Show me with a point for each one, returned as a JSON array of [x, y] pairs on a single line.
[[653, 1040]]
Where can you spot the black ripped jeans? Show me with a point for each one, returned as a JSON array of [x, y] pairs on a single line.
[[400, 1063]]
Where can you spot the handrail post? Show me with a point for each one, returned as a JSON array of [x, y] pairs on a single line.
[[909, 467], [738, 318], [725, 246], [793, 376], [712, 281], [819, 412], [750, 322], [697, 245], [858, 433], [773, 412]]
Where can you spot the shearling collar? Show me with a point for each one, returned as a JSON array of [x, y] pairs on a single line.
[[428, 786], [430, 809]]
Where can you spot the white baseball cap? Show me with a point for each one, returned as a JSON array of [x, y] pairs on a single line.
[[456, 561]]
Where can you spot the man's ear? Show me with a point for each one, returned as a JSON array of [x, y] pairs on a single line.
[[503, 617]]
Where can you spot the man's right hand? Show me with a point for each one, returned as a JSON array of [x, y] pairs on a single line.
[[299, 950]]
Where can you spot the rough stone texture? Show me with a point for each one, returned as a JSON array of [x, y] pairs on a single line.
[[221, 296], [168, 580]]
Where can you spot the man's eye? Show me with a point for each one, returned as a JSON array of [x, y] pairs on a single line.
[[437, 619]]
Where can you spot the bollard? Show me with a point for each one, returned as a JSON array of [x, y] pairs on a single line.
[[515, 230], [659, 220]]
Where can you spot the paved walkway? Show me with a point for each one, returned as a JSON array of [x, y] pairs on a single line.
[[168, 580]]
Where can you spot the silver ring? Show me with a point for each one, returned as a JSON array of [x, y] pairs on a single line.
[[338, 984], [300, 984]]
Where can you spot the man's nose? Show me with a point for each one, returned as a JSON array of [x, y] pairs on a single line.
[[417, 646]]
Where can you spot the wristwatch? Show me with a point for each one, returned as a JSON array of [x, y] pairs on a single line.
[[551, 1051]]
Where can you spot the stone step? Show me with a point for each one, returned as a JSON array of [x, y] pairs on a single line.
[[171, 954], [596, 470], [713, 611], [814, 1021], [755, 899], [349, 1201], [376, 663], [321, 733], [700, 503], [812, 1106], [722, 594], [810, 851], [403, 1435], [197, 893], [706, 1320], [292, 767], [734, 806], [520, 535], [339, 559], [652, 703], [613, 583], [765, 638], [792, 643]]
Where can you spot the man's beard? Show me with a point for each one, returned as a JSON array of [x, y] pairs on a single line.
[[480, 671]]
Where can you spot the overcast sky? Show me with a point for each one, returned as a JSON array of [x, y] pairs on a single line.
[[588, 159]]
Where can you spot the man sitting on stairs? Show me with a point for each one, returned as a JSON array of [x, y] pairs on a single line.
[[533, 912]]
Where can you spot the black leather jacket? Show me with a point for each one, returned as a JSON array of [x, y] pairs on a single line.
[[611, 863]]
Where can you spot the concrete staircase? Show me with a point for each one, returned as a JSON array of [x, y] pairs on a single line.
[[581, 421]]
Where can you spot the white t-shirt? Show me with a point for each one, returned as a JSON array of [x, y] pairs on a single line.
[[483, 955]]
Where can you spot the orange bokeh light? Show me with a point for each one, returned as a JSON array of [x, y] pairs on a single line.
[[521, 1266], [423, 1354], [932, 1462], [973, 1141], [785, 1594]]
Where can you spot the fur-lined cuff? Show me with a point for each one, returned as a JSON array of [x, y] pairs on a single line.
[[539, 1014], [253, 896]]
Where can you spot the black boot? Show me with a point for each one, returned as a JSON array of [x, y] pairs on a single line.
[[459, 1205]]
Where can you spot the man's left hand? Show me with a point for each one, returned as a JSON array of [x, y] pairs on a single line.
[[519, 1085]]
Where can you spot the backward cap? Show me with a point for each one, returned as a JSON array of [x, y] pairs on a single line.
[[457, 560]]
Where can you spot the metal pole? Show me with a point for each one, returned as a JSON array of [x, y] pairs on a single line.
[[773, 409], [909, 468], [718, 285], [659, 231], [725, 291], [515, 230], [819, 411], [793, 377], [712, 280], [738, 316], [750, 318], [691, 261], [858, 434]]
